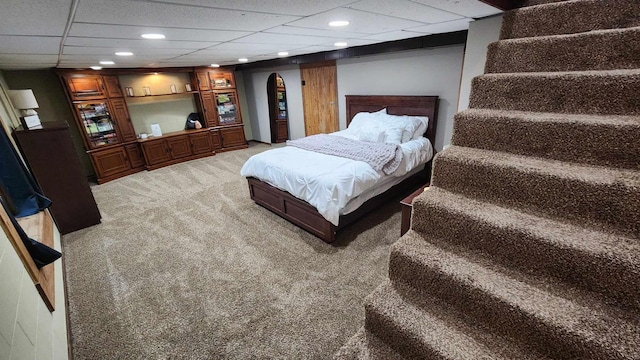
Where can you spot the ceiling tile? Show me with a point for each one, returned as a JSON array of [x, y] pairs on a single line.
[[134, 32], [137, 44], [80, 50], [28, 59], [34, 17], [294, 30], [139, 13], [395, 35], [30, 44], [286, 7], [284, 39], [360, 21], [469, 8], [405, 9], [449, 26]]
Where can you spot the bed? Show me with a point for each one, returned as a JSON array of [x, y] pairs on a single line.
[[271, 194]]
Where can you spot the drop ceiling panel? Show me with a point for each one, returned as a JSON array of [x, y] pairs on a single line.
[[138, 44], [286, 7], [34, 17], [28, 59], [468, 8], [134, 32], [449, 26], [394, 35], [283, 39], [360, 21], [81, 50], [30, 44], [139, 13], [294, 30], [406, 9]]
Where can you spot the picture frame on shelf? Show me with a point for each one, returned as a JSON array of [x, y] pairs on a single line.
[[147, 90], [129, 91], [174, 90], [187, 87]]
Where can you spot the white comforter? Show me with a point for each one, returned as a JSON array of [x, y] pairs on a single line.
[[328, 182]]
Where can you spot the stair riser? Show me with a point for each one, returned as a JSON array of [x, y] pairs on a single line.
[[514, 247], [577, 93], [605, 145], [607, 51], [599, 206], [484, 308], [569, 18], [387, 330], [539, 2]]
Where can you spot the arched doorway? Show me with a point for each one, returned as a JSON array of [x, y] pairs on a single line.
[[278, 113]]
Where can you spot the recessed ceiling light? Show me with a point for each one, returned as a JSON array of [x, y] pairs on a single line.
[[215, 65], [283, 53], [339, 23], [340, 44], [124, 53], [153, 36], [243, 59], [96, 67], [107, 62]]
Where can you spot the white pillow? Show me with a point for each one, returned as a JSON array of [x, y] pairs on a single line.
[[409, 124], [371, 134]]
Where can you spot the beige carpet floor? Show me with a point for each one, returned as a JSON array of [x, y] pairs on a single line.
[[186, 266]]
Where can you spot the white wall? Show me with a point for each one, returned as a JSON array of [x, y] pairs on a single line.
[[434, 71], [27, 329], [481, 33]]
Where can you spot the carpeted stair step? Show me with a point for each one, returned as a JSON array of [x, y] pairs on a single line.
[[596, 197], [605, 140], [584, 92], [570, 17], [419, 326], [366, 346], [595, 50], [539, 2], [557, 321], [594, 261]]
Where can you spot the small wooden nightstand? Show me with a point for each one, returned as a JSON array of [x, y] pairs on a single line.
[[407, 204]]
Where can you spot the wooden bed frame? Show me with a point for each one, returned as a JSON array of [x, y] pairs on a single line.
[[306, 216]]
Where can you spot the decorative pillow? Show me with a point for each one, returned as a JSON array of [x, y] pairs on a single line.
[[371, 134], [393, 135]]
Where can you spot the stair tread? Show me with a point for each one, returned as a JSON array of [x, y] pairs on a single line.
[[595, 242], [573, 36], [567, 74], [579, 317], [629, 178], [438, 326], [366, 346], [618, 120]]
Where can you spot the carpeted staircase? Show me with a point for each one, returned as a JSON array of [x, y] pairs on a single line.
[[527, 244]]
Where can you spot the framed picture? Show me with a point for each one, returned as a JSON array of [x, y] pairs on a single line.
[[147, 90], [129, 91], [173, 89]]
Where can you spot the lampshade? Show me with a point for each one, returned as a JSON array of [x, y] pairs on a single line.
[[23, 99]]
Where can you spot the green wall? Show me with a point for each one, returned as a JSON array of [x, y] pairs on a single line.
[[53, 104]]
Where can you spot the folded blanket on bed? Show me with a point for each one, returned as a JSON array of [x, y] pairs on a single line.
[[380, 156]]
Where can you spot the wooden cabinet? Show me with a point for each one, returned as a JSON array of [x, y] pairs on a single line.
[[216, 142], [179, 146], [110, 163], [112, 86], [278, 112], [85, 87], [222, 79], [155, 152], [208, 106], [52, 159], [233, 137], [227, 107], [202, 79], [134, 152], [201, 143], [120, 114], [166, 150]]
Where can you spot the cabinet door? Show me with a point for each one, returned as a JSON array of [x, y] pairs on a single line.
[[227, 107], [135, 155], [233, 136], [209, 108], [155, 152], [110, 162], [179, 146], [201, 143], [112, 86], [120, 114], [100, 128], [282, 132], [85, 87], [215, 139], [222, 79], [203, 80]]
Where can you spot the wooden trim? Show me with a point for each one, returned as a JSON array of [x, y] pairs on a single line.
[[38, 227]]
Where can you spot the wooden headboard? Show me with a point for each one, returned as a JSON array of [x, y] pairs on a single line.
[[397, 105]]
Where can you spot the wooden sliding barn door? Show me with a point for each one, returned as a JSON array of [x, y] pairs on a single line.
[[320, 97]]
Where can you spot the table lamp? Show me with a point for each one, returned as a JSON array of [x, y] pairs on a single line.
[[25, 101]]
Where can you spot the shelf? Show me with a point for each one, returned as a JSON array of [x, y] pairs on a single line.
[[158, 95]]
